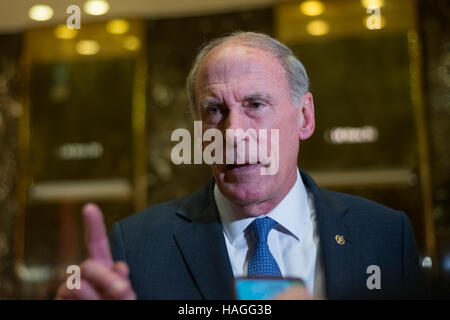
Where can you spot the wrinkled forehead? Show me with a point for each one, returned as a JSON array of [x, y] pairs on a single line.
[[230, 61]]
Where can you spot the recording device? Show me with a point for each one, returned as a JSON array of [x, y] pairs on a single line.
[[263, 288]]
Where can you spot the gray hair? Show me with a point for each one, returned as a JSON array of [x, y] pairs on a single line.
[[296, 73]]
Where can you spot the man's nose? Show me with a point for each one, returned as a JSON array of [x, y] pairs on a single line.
[[235, 129], [234, 120]]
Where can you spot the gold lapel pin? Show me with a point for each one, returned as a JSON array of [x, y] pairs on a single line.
[[340, 239]]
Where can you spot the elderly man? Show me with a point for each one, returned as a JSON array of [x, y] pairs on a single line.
[[243, 223]]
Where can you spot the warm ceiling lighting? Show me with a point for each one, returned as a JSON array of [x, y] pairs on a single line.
[[371, 4], [374, 23], [132, 43], [318, 27], [96, 7], [117, 26], [63, 32], [40, 12], [87, 47], [312, 8]]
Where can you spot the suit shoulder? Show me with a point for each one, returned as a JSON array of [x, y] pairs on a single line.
[[361, 206], [161, 214]]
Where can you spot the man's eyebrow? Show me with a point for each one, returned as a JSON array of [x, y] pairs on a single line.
[[259, 96], [208, 101]]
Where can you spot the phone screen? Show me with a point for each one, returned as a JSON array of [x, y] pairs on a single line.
[[263, 288]]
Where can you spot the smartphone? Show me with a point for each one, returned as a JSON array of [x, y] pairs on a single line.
[[263, 288]]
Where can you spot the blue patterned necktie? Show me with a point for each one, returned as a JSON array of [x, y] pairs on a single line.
[[261, 262]]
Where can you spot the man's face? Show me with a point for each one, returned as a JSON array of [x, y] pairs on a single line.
[[239, 87]]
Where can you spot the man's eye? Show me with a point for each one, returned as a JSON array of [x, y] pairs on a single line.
[[213, 110], [213, 113], [255, 105]]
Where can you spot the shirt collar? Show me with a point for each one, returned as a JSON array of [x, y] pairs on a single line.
[[291, 213]]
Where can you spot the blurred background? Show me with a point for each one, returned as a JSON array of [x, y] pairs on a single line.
[[86, 114]]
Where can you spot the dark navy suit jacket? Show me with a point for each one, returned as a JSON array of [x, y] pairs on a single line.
[[177, 250]]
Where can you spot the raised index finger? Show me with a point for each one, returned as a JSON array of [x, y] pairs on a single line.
[[95, 235]]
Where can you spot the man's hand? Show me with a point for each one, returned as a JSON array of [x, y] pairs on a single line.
[[101, 278], [294, 293]]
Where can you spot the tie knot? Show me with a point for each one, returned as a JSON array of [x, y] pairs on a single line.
[[261, 228]]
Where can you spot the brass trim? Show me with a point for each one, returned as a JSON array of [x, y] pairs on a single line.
[[23, 177], [139, 121], [416, 84]]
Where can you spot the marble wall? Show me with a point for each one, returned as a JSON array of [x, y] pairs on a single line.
[[10, 111]]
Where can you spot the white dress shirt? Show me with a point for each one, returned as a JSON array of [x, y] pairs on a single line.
[[293, 242]]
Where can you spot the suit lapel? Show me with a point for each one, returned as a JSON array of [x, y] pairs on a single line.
[[338, 258], [200, 240]]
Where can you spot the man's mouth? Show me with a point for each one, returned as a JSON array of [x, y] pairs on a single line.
[[238, 166]]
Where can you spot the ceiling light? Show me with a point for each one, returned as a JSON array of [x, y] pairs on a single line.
[[40, 12], [87, 47], [63, 32], [318, 27], [96, 7], [132, 43], [117, 26], [370, 4], [312, 8]]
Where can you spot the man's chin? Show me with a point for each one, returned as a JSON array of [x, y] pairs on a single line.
[[242, 185], [242, 194]]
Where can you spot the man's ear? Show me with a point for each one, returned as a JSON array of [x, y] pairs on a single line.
[[306, 120]]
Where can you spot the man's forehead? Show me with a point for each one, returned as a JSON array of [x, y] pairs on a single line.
[[228, 54], [232, 48], [236, 60]]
